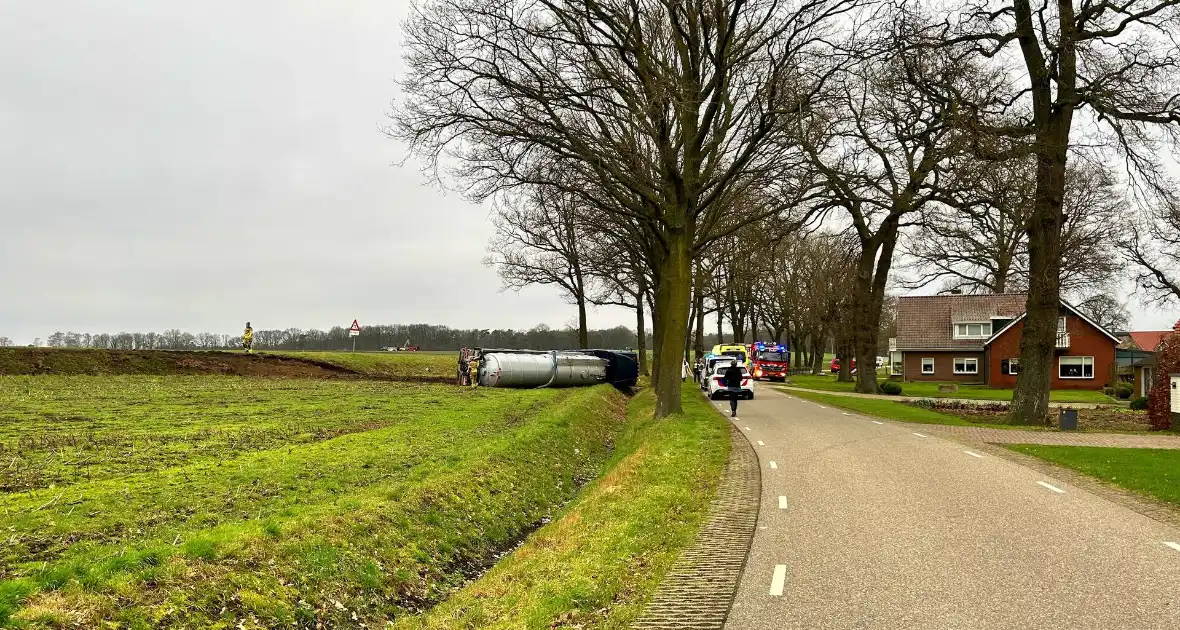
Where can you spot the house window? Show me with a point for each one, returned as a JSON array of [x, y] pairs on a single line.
[[1013, 366], [982, 330], [966, 366], [1075, 367], [928, 366], [1061, 324]]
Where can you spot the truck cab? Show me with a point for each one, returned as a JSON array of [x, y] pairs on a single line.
[[770, 361], [734, 350]]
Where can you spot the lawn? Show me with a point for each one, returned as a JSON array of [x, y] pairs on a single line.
[[596, 565], [212, 501], [1154, 472], [882, 408], [917, 389]]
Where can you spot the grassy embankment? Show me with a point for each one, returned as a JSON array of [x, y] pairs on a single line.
[[914, 389], [206, 501], [388, 364], [597, 564], [1154, 472]]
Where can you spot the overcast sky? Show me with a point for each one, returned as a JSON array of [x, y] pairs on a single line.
[[199, 165]]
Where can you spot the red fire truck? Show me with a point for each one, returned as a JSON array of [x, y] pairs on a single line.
[[770, 360]]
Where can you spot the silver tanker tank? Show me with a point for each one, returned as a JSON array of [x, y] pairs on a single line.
[[537, 369]]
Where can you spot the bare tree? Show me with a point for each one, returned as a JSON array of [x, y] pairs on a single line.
[[1106, 310], [979, 243], [888, 142], [5, 342], [670, 107], [1115, 61], [1152, 246], [540, 240]]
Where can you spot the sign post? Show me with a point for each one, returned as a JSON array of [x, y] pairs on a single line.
[[354, 331]]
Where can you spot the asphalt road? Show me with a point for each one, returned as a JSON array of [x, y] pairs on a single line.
[[866, 525]]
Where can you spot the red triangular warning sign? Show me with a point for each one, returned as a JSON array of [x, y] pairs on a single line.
[[355, 326]]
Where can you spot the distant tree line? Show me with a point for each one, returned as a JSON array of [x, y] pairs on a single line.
[[424, 336]]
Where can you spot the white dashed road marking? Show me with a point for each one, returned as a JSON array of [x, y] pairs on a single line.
[[974, 454], [1051, 487], [875, 422], [846, 413], [760, 443], [919, 435], [747, 428], [1173, 545], [779, 580], [782, 504], [774, 465]]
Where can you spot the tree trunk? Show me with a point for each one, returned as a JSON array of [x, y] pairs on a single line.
[[640, 324], [816, 358], [720, 337], [843, 348], [673, 294], [583, 336], [699, 342], [1038, 341], [872, 274]]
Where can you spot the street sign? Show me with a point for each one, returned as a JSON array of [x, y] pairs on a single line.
[[355, 329]]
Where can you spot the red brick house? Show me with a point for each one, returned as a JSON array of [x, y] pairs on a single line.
[[976, 339]]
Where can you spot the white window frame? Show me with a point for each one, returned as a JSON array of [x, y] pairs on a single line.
[[931, 360], [965, 361], [1085, 360], [1013, 362], [966, 328]]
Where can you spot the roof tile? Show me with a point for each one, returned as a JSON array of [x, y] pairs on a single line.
[[926, 322]]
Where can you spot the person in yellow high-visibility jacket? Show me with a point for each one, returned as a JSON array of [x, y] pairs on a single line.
[[248, 338]]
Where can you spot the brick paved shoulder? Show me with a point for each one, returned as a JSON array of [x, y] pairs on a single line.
[[697, 592]]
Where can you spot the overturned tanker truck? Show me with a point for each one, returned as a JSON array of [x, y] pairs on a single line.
[[498, 367]]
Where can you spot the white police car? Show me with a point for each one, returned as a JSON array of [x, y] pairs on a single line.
[[716, 385]]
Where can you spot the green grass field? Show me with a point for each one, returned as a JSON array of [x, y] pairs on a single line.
[[915, 389], [1154, 472], [210, 501]]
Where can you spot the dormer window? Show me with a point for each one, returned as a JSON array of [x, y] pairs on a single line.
[[973, 330]]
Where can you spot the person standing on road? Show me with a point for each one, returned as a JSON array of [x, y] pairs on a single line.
[[732, 379], [248, 338], [683, 370]]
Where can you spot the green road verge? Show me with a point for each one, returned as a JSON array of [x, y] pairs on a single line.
[[598, 563], [204, 501], [1153, 472], [915, 389], [893, 410]]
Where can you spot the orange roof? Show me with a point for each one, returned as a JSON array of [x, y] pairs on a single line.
[[1149, 340]]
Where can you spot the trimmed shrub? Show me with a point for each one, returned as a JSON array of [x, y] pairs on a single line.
[[891, 388], [1139, 404], [1123, 390]]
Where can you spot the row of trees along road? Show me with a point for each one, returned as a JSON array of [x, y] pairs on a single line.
[[691, 157], [374, 337]]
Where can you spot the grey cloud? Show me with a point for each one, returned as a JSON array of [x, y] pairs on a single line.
[[196, 165]]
